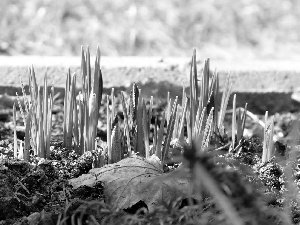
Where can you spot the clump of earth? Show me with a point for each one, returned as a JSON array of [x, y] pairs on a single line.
[[39, 190]]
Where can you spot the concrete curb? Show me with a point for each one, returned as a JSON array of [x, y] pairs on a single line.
[[247, 76], [156, 75]]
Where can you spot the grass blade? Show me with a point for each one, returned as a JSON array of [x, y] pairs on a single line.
[[27, 135], [225, 98], [146, 130], [133, 106], [208, 130], [109, 122], [233, 129], [15, 132], [211, 185], [112, 97], [160, 137], [140, 146], [265, 142], [181, 130], [126, 125], [170, 130], [169, 108], [270, 140], [93, 119], [116, 149], [49, 124], [200, 123], [155, 137]]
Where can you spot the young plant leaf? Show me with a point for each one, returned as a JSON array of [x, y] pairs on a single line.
[[126, 123], [15, 132], [160, 136], [225, 98], [140, 146], [265, 142], [145, 129], [170, 130], [233, 126], [116, 149]]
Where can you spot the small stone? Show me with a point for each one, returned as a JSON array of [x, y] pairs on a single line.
[[296, 95], [34, 218]]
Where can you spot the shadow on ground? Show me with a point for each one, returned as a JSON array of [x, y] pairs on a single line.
[[258, 103]]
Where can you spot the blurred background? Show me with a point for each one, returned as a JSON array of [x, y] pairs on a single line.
[[220, 29]]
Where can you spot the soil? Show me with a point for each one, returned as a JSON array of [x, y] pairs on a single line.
[[38, 191]]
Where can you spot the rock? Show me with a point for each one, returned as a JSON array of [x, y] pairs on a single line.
[[34, 218], [45, 218], [296, 95]]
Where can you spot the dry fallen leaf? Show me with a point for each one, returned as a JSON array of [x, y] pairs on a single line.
[[137, 179]]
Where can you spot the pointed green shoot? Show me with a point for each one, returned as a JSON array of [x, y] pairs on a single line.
[[233, 126]]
